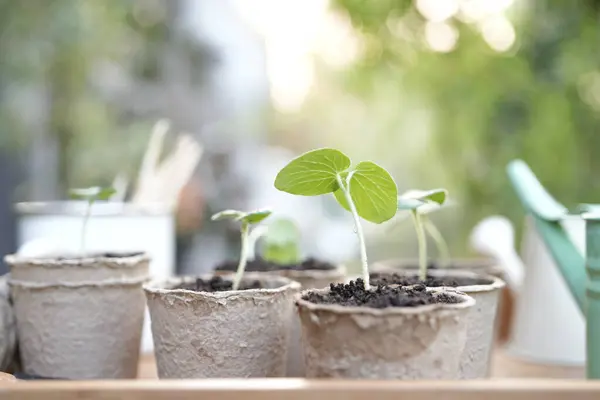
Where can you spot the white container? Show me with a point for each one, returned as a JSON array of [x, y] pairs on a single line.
[[112, 226], [549, 328]]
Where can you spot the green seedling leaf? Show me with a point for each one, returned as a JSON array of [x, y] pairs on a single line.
[[415, 199], [283, 254], [281, 242], [257, 216], [313, 173], [92, 193], [373, 192], [252, 217], [247, 219], [282, 231]]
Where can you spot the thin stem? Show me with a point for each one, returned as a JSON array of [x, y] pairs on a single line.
[[422, 241], [243, 257], [361, 237], [440, 243], [86, 218]]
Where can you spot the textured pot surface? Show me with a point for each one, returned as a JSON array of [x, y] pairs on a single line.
[[424, 342], [308, 280], [476, 358], [79, 318], [231, 334], [8, 329]]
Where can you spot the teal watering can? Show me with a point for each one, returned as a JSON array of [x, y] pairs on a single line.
[[581, 274]]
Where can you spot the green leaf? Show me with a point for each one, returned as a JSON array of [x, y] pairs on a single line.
[[257, 216], [282, 231], [228, 214], [373, 191], [414, 199], [282, 254], [313, 173], [92, 193], [252, 217]]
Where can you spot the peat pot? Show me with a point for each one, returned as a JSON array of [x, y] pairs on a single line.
[[79, 318], [476, 359], [226, 334], [422, 342]]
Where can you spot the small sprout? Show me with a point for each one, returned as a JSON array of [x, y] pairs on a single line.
[[282, 242], [90, 195], [367, 190], [247, 219], [418, 202]]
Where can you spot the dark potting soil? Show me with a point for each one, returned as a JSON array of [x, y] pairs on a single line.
[[379, 278], [261, 265], [218, 284], [354, 294], [100, 255]]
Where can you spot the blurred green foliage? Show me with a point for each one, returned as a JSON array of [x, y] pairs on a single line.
[[55, 56], [539, 101]]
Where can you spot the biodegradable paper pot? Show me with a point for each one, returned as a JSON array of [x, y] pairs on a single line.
[[424, 342], [311, 279], [79, 318], [476, 359], [231, 334], [8, 329]]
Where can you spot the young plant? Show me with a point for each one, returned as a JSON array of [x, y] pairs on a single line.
[[281, 242], [90, 195], [246, 219], [367, 190], [416, 201]]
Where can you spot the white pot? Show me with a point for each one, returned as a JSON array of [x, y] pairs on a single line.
[[112, 226], [8, 329], [79, 318], [424, 342], [230, 334]]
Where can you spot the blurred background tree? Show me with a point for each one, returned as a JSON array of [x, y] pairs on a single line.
[[448, 92]]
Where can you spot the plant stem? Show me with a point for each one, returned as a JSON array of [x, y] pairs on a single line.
[[422, 241], [86, 217], [243, 257], [437, 237], [361, 237]]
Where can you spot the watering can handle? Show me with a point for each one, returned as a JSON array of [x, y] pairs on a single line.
[[532, 194], [548, 214]]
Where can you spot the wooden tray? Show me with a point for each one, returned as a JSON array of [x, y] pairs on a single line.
[[534, 382]]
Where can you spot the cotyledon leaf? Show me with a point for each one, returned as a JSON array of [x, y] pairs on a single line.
[[373, 192], [313, 173]]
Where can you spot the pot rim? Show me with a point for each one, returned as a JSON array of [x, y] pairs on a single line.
[[495, 284], [129, 258], [467, 302], [77, 208], [158, 286], [463, 263], [340, 269]]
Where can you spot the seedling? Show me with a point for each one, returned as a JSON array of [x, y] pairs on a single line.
[[247, 219], [367, 190], [90, 195], [281, 242], [416, 201]]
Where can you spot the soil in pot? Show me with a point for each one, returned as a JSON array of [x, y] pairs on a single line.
[[354, 294], [386, 332], [218, 284], [431, 281], [261, 265], [485, 289]]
